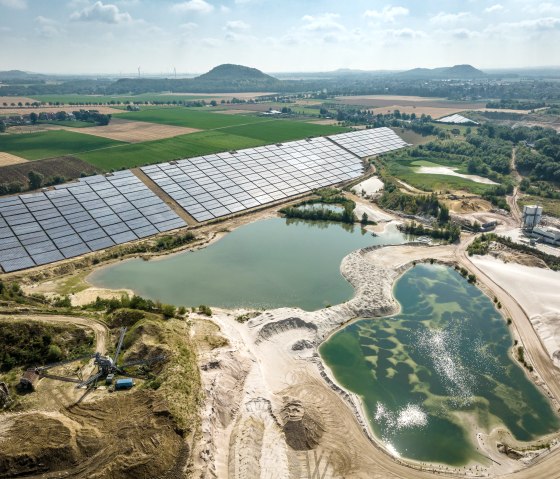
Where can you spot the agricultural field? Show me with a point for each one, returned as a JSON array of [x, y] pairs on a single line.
[[48, 144], [65, 167], [191, 118], [139, 154], [282, 130], [204, 142]]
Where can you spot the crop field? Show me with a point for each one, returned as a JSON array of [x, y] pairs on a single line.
[[48, 144], [204, 142], [66, 167], [139, 154], [190, 118], [282, 130]]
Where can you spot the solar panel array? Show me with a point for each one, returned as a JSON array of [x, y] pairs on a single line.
[[77, 218], [457, 119], [212, 186], [370, 142]]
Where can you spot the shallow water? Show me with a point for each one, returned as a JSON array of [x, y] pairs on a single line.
[[321, 206], [266, 264], [444, 359]]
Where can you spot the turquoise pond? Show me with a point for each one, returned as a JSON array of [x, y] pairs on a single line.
[[265, 264], [424, 373]]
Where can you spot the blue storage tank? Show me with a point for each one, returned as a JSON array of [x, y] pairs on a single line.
[[125, 383]]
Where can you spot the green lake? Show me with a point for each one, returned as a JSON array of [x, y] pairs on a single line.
[[423, 372], [265, 264]]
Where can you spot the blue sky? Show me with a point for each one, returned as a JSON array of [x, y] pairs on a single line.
[[117, 36]]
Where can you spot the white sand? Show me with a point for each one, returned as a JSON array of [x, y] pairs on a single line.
[[536, 290], [444, 170], [369, 187]]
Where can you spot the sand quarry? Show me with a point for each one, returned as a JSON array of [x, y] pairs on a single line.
[[272, 410]]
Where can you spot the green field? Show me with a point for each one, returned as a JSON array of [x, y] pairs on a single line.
[[48, 144], [273, 131], [202, 143], [191, 118], [139, 154]]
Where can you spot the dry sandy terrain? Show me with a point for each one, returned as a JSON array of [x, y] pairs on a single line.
[[536, 290], [272, 410], [130, 131], [445, 170], [325, 122], [51, 109], [14, 99], [233, 111], [505, 110], [368, 187], [9, 159], [418, 110]]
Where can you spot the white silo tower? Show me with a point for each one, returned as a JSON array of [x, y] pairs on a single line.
[[532, 215]]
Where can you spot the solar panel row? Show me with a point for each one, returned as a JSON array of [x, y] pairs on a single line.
[[77, 218], [369, 142], [212, 186], [99, 212]]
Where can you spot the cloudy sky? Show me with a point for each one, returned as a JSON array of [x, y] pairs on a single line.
[[117, 36]]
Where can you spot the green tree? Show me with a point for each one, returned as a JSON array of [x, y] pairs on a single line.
[[33, 117], [35, 180], [365, 219], [2, 127]]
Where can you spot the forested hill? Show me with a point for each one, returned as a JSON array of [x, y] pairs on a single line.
[[464, 72], [235, 73]]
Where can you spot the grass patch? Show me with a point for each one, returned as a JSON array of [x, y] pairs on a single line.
[[48, 144], [190, 118], [435, 183], [551, 206]]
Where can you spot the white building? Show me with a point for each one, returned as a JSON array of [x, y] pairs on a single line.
[[547, 235]]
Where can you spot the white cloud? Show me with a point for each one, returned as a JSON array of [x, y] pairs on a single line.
[[538, 25], [210, 42], [443, 18], [15, 4], [405, 33], [102, 13], [224, 9], [188, 27], [388, 14], [495, 8], [236, 26], [322, 22], [463, 33], [196, 6], [547, 8], [47, 27]]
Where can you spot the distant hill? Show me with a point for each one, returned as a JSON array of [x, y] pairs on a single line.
[[18, 75], [236, 73], [455, 72]]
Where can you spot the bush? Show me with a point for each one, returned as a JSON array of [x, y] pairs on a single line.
[[168, 311], [203, 309]]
